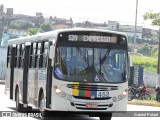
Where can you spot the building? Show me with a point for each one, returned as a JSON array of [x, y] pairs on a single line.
[[150, 34], [59, 23], [60, 26], [9, 11], [89, 24], [130, 30], [20, 33], [113, 25]]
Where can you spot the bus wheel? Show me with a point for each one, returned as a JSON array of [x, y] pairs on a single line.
[[42, 105], [41, 102], [19, 106], [105, 118]]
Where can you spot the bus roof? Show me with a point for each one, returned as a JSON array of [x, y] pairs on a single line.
[[53, 34]]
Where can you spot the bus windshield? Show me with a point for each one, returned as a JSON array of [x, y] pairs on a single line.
[[95, 65]]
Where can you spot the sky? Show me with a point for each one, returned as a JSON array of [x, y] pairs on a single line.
[[93, 10]]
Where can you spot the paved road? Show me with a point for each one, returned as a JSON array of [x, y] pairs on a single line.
[[8, 105]]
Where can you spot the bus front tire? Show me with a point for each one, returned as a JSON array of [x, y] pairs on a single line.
[[105, 118]]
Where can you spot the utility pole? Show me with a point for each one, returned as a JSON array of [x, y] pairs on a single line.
[[135, 31]]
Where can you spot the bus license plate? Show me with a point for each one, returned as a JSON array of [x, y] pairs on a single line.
[[102, 94], [92, 105]]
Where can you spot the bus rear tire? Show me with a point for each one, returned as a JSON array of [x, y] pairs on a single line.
[[107, 116], [19, 107], [104, 118], [42, 106]]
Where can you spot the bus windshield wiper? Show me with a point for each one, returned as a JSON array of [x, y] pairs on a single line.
[[105, 56], [101, 61]]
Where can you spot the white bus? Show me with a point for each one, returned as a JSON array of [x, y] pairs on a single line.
[[76, 70]]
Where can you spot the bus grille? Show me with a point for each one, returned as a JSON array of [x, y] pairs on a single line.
[[82, 106], [89, 98]]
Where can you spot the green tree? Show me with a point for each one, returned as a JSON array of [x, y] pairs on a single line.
[[25, 26], [34, 31], [13, 26], [154, 51], [46, 27], [155, 19]]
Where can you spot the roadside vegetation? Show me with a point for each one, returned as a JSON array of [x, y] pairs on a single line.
[[149, 63]]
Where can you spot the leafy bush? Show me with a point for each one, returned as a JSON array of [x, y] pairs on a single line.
[[149, 63]]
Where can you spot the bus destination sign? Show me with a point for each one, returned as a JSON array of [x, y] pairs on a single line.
[[89, 38]]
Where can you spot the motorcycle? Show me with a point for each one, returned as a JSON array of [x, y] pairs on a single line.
[[145, 93], [139, 93], [157, 90]]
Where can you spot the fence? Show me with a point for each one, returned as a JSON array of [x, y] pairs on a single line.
[[150, 79], [138, 75]]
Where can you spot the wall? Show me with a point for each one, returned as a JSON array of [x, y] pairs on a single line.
[[150, 79], [3, 59]]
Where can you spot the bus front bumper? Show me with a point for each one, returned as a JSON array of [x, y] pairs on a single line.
[[77, 105]]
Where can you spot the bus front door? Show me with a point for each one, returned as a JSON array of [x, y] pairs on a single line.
[[25, 74], [13, 51]]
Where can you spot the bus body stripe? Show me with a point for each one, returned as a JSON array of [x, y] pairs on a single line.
[[81, 92], [94, 91], [75, 90], [87, 92]]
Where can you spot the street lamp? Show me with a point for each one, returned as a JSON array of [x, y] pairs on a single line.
[[135, 31]]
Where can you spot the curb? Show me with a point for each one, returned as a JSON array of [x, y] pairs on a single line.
[[145, 103]]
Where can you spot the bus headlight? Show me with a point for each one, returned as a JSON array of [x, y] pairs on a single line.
[[120, 96], [124, 93], [59, 92]]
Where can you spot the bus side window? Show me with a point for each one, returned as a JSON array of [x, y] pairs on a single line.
[[45, 54], [34, 55], [41, 55], [18, 56], [22, 55], [31, 56], [15, 65], [38, 55], [8, 56]]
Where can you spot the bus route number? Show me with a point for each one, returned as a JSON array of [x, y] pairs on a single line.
[[102, 94], [72, 37]]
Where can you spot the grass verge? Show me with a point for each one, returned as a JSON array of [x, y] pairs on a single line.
[[145, 102]]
